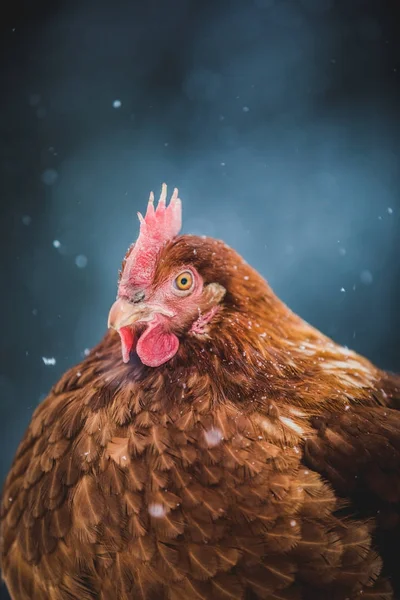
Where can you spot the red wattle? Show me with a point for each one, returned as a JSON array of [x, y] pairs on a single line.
[[156, 346], [127, 342]]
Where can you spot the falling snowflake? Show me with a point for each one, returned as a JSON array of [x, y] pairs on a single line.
[[213, 436], [81, 261], [49, 361], [157, 510]]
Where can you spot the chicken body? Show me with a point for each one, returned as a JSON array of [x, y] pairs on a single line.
[[260, 461]]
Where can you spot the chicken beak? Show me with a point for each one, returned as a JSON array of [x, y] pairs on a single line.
[[124, 313]]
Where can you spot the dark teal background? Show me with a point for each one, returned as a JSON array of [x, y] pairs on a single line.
[[278, 120]]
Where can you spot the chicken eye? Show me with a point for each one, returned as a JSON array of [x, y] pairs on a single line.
[[184, 281]]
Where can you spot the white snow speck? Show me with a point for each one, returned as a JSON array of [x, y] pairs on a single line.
[[26, 220], [246, 277], [86, 352], [157, 510], [366, 277], [342, 289], [293, 523], [245, 109], [49, 176], [390, 210], [49, 361], [81, 261], [213, 436], [223, 164], [117, 104], [56, 243]]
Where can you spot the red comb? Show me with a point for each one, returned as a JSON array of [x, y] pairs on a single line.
[[157, 227]]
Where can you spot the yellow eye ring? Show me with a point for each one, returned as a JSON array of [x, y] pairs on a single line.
[[184, 281]]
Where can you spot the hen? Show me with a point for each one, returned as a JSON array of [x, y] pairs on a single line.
[[233, 452]]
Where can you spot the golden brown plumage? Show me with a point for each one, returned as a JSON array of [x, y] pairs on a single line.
[[260, 461]]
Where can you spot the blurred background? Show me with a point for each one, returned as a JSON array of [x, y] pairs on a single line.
[[278, 120]]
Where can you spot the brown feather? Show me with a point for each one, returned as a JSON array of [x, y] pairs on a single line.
[[88, 508]]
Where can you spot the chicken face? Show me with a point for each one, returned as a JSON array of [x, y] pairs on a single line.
[[155, 307]]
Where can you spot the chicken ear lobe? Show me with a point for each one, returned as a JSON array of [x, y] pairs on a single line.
[[156, 346]]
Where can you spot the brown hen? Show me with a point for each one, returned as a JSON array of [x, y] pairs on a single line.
[[233, 452]]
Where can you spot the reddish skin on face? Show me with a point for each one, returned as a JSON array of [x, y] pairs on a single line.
[[152, 311], [158, 343], [162, 308]]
